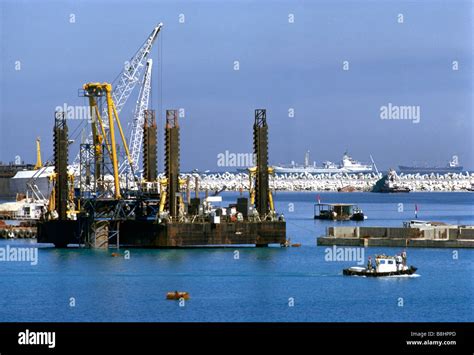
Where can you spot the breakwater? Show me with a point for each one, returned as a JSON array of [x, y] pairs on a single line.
[[334, 182]]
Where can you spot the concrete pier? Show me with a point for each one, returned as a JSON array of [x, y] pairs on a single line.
[[424, 237]]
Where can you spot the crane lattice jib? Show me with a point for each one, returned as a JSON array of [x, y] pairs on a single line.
[[136, 134], [131, 74]]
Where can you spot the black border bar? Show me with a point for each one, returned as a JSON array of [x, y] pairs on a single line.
[[365, 338]]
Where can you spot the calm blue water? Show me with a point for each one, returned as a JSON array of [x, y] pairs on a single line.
[[257, 286]]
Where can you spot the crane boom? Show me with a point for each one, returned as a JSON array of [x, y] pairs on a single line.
[[136, 134], [131, 73]]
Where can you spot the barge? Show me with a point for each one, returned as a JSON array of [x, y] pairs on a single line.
[[338, 212]]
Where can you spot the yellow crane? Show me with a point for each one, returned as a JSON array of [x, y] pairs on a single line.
[[39, 163], [252, 175], [98, 130], [163, 193], [70, 198]]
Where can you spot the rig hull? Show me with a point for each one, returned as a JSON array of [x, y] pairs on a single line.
[[148, 234], [60, 233], [175, 235]]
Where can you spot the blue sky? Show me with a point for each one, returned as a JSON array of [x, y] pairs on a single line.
[[282, 65]]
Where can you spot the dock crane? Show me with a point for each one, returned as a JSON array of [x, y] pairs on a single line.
[[100, 136], [39, 163], [136, 134], [126, 82], [31, 185]]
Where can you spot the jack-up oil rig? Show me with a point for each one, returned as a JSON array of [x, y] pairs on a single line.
[[160, 217], [95, 204]]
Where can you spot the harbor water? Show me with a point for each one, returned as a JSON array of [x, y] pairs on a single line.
[[253, 284]]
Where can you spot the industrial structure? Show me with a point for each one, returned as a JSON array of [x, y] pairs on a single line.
[[99, 217], [103, 200]]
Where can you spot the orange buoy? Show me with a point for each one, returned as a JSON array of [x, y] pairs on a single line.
[[296, 245], [177, 295]]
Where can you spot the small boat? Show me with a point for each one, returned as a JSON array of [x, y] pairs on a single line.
[[177, 295], [288, 243], [384, 266], [338, 212], [347, 188], [415, 223]]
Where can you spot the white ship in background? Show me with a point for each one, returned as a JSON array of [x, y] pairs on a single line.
[[347, 165]]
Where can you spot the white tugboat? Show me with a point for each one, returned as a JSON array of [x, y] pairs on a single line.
[[384, 266]]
